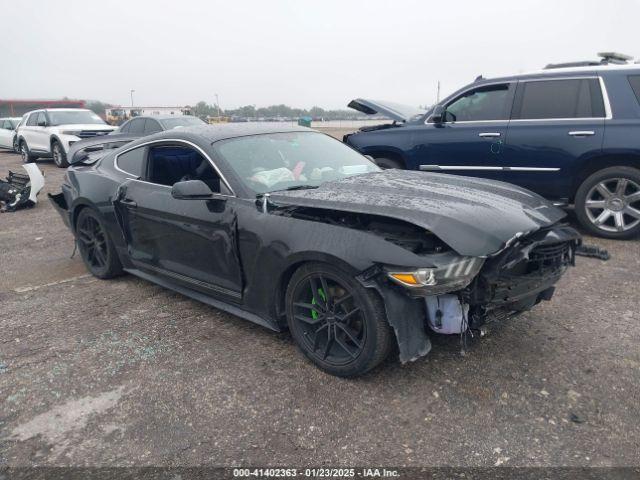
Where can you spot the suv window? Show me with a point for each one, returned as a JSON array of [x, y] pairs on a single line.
[[42, 119], [132, 161], [124, 128], [137, 126], [169, 164], [634, 80], [548, 99], [151, 126], [485, 103], [32, 119]]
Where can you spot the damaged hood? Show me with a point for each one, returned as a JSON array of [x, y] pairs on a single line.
[[473, 216], [395, 111]]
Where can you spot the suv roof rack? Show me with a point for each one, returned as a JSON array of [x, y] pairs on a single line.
[[607, 58]]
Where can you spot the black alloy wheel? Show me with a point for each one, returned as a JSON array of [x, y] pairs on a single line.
[[336, 322], [96, 248]]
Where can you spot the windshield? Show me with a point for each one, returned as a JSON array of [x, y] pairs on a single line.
[[71, 117], [169, 123], [280, 161], [14, 122]]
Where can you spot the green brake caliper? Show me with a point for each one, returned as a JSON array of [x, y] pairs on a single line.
[[314, 314]]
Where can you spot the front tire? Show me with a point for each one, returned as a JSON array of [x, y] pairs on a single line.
[[59, 155], [608, 203], [16, 145], [25, 153], [96, 248], [336, 322]]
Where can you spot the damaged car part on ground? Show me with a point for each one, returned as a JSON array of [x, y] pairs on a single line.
[[290, 228], [18, 190]]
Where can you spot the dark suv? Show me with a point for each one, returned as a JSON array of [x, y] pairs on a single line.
[[569, 133]]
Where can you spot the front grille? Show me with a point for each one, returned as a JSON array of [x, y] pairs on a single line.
[[551, 256], [92, 133]]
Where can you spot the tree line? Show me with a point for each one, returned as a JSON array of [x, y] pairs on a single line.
[[203, 110]]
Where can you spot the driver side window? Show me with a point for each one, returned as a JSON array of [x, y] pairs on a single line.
[[484, 103], [169, 164]]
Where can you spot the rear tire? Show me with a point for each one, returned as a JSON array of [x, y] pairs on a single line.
[[96, 248], [59, 155], [607, 204], [27, 156], [388, 163], [336, 323]]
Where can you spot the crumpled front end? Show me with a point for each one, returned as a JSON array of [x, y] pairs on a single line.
[[469, 292]]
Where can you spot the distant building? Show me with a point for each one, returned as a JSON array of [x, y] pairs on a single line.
[[16, 108], [118, 115]]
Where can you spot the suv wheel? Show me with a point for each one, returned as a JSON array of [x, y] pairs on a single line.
[[25, 153], [336, 322], [16, 144], [608, 203], [387, 163], [59, 155]]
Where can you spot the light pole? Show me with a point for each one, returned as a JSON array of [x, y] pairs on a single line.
[[218, 105], [131, 93]]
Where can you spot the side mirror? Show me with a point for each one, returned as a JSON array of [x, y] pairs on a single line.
[[437, 116], [42, 123], [191, 190]]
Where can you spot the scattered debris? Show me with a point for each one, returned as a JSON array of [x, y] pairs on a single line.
[[575, 418], [19, 190], [592, 251]]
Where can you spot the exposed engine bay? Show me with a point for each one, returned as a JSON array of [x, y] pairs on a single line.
[[509, 283], [18, 190]]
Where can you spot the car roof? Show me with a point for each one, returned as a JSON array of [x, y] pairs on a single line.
[[564, 71], [161, 117], [214, 133]]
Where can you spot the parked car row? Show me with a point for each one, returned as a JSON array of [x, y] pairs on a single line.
[[568, 133], [50, 133]]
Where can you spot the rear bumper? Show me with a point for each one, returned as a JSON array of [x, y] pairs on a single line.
[[60, 203]]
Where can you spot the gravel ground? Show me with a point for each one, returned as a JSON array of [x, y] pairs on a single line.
[[123, 372]]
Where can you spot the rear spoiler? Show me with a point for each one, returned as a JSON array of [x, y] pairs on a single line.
[[85, 151]]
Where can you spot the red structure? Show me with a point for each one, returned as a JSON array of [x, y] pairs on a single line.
[[17, 108]]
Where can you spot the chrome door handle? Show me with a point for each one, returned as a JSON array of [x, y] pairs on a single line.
[[582, 133], [489, 134]]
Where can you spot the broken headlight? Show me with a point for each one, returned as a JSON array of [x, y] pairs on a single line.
[[447, 277]]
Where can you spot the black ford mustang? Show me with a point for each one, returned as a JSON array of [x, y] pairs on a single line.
[[288, 227]]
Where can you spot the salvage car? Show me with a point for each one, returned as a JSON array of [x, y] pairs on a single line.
[[8, 137], [52, 131], [290, 228], [568, 132]]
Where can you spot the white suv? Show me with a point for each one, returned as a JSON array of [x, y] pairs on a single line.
[[50, 132]]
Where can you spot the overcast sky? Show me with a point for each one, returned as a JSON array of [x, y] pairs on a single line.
[[301, 53]]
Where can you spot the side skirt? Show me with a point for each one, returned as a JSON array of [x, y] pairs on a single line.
[[232, 309]]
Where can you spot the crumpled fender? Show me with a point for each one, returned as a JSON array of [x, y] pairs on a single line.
[[406, 316]]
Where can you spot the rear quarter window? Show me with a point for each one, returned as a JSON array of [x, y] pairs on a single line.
[[132, 162], [634, 81], [555, 99]]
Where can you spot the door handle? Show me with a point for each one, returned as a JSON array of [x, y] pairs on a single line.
[[582, 133], [128, 202], [489, 134]]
